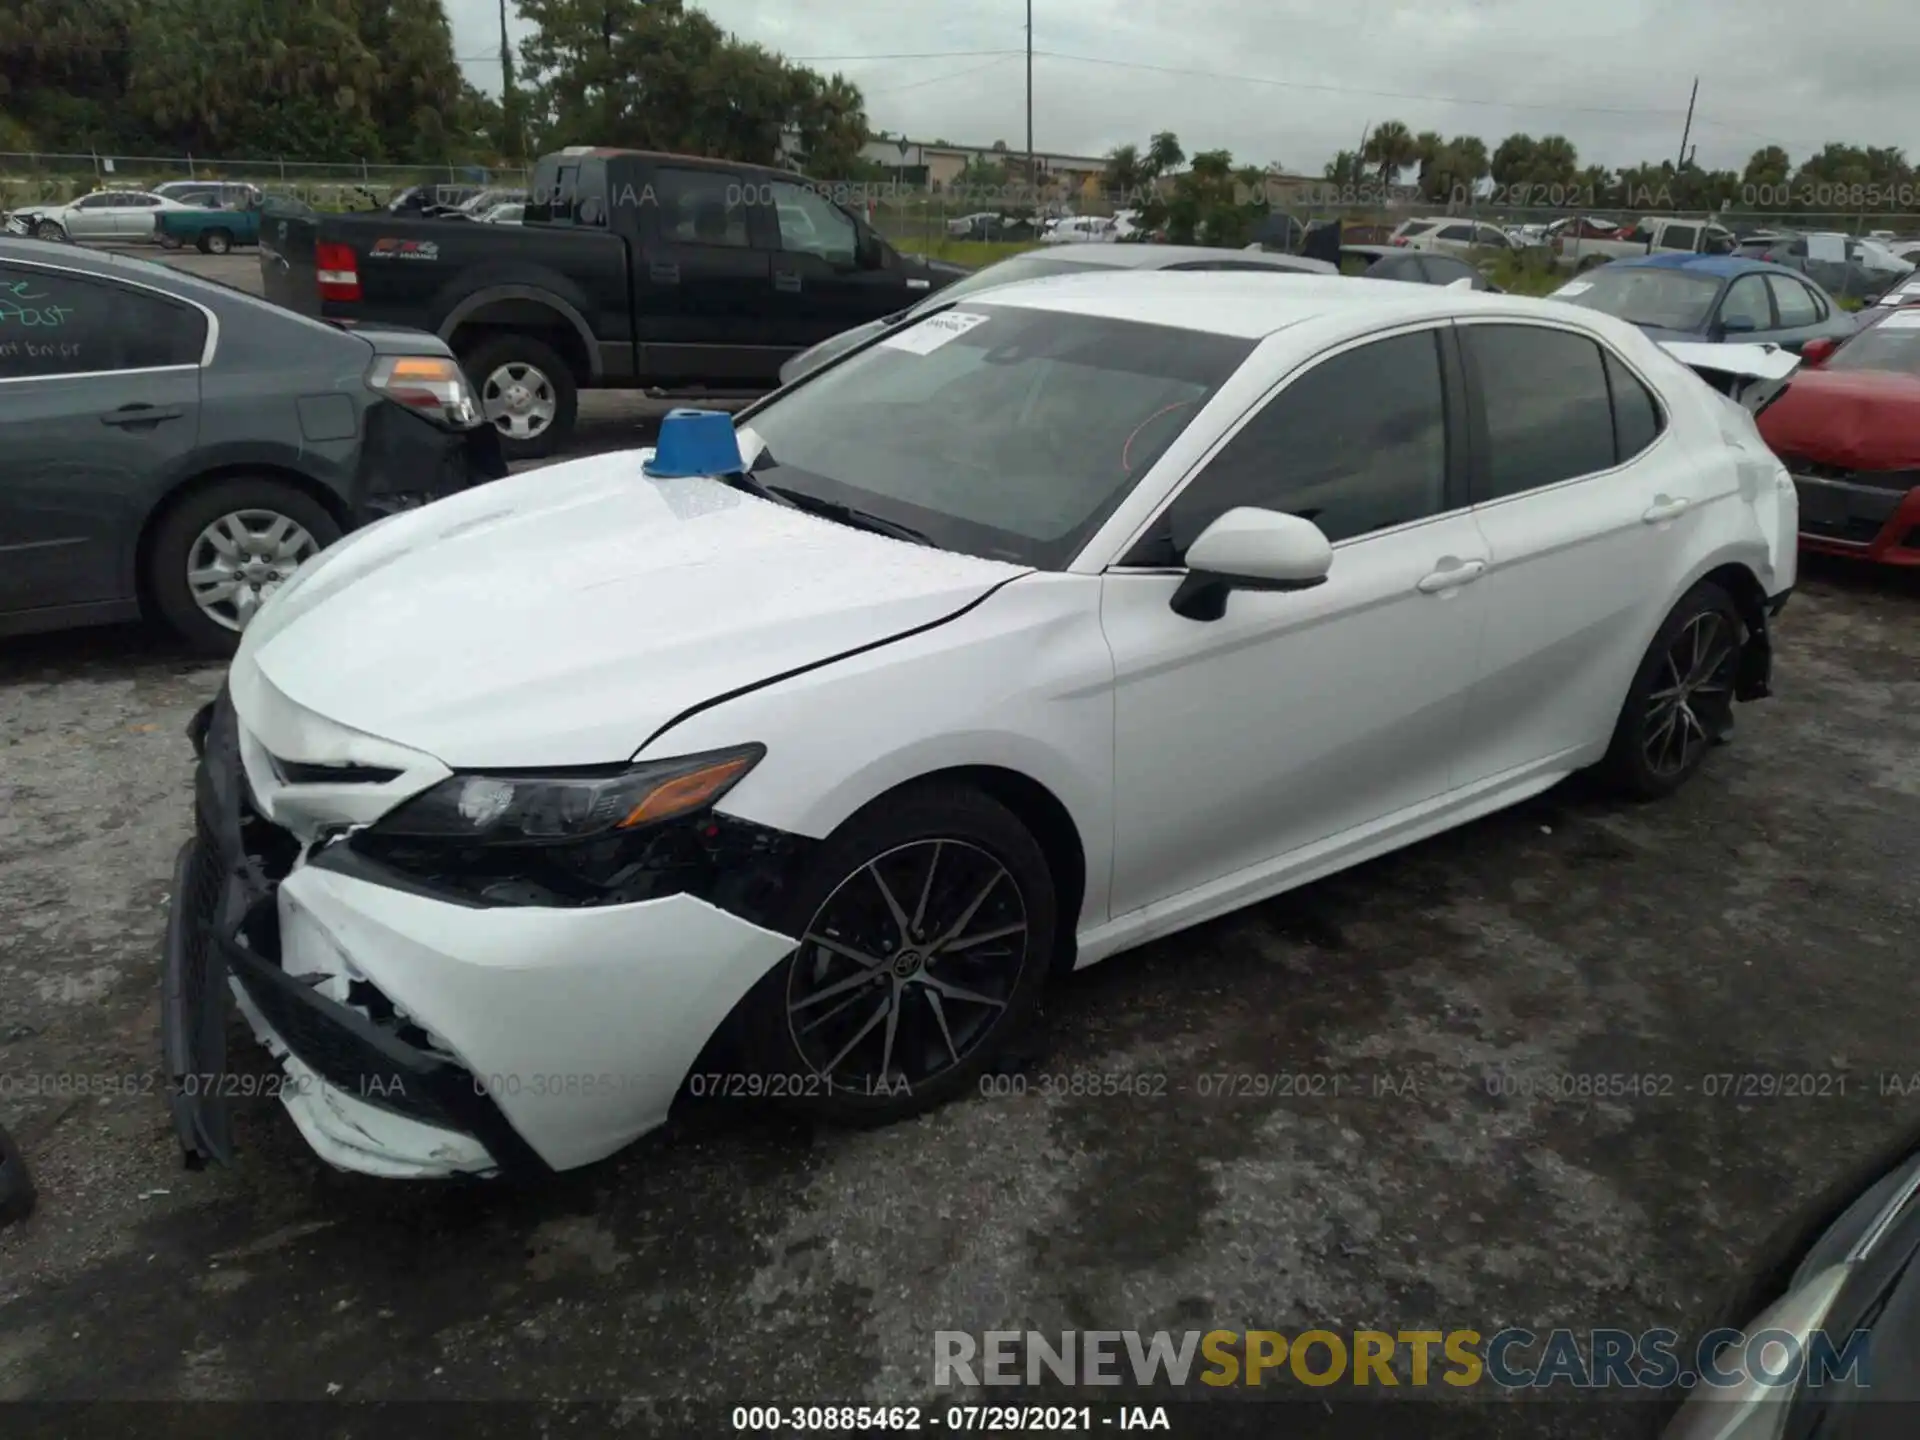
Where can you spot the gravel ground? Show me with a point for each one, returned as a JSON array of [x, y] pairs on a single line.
[[1761, 921]]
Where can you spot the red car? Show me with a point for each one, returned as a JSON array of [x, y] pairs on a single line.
[[1848, 427]]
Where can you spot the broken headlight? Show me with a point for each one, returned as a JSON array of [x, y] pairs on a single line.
[[562, 807]]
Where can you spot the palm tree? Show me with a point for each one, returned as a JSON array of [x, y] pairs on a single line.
[[1392, 148]]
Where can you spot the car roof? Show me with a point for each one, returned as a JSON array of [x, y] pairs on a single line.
[[1158, 257], [1239, 304], [1722, 266]]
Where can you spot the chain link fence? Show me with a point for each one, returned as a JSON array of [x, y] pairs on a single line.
[[41, 177]]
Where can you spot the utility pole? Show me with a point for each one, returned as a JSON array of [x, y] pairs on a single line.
[[509, 102], [1033, 174], [1681, 163]]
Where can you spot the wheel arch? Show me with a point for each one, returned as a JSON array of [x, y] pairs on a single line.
[[524, 309], [142, 583], [1049, 822]]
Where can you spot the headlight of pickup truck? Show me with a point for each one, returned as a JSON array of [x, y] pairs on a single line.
[[429, 385]]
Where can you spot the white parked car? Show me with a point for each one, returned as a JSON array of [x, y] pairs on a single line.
[[1448, 236], [511, 213], [103, 215], [1069, 616], [1082, 230]]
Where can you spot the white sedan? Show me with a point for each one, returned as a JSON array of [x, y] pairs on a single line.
[[795, 759], [103, 215]]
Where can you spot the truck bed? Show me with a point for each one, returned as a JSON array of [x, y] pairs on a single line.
[[417, 272]]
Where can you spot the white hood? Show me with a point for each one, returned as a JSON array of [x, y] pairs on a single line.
[[562, 616]]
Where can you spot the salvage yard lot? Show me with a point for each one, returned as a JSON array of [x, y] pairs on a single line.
[[1763, 920]]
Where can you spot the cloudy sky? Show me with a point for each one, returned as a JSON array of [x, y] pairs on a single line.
[[1292, 81]]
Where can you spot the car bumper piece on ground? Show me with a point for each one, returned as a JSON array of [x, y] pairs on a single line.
[[1867, 521], [419, 1036]]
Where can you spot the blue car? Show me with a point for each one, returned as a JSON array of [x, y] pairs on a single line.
[[1714, 298]]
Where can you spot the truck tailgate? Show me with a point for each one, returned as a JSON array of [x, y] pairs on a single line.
[[287, 236]]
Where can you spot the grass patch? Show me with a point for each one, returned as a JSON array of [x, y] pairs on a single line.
[[972, 253]]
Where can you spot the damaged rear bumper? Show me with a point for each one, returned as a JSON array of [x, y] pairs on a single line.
[[420, 1036]]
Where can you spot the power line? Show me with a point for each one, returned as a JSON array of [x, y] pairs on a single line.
[[940, 79], [1351, 89]]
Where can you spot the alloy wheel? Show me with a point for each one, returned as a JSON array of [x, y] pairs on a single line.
[[907, 967], [1693, 694], [520, 401], [240, 559]]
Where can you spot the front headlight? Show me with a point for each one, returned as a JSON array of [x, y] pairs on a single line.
[[557, 808]]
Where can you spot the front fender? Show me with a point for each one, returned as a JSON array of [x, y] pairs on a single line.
[[1023, 682]]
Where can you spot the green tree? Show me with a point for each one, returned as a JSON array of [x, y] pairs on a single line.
[[656, 75], [1390, 149], [1512, 162]]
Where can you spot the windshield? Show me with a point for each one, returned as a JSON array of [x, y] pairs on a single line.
[[996, 431], [1645, 295], [1892, 344], [1005, 272]]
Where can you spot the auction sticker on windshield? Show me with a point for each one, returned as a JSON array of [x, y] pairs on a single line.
[[1902, 320], [1577, 287], [933, 332]]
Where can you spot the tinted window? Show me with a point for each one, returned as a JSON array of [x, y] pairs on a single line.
[[997, 431], [54, 324], [1356, 444], [1796, 302], [1548, 414], [1680, 237], [1747, 302], [1890, 342], [1398, 267], [1636, 417], [94, 202], [1444, 271], [701, 207], [1456, 232]]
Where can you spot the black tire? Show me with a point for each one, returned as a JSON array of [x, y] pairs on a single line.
[[169, 242], [894, 834], [1628, 764], [169, 556], [216, 242], [49, 230], [491, 355]]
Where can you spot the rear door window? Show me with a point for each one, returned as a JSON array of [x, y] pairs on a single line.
[[1548, 412], [53, 323], [701, 207]]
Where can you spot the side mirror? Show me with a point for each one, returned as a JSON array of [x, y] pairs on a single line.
[[1250, 549], [871, 252], [1816, 352]]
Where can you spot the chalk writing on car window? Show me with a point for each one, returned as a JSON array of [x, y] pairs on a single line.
[[21, 307], [39, 351]]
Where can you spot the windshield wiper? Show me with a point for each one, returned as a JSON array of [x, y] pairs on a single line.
[[848, 515]]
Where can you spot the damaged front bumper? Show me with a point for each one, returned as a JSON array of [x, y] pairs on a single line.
[[419, 1036]]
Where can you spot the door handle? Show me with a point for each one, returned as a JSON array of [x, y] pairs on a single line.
[[1664, 507], [1452, 577], [787, 280], [141, 415], [661, 274]]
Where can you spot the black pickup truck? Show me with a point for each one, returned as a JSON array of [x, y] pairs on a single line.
[[631, 270]]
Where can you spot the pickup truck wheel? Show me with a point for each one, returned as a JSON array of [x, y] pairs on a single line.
[[219, 553], [527, 392]]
